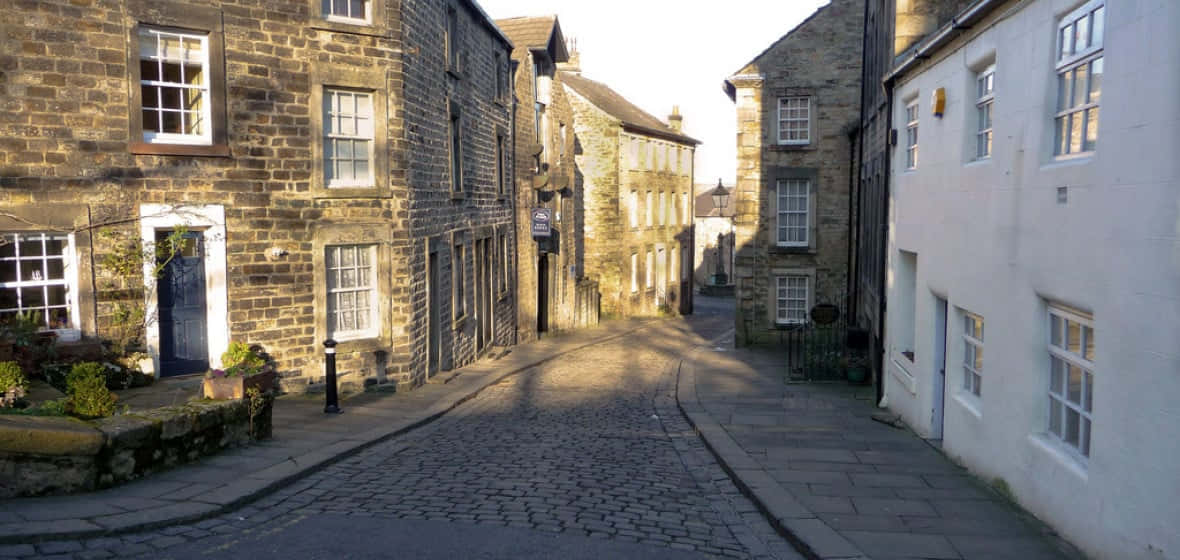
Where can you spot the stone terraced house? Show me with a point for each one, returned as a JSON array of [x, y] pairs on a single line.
[[552, 292], [637, 175], [797, 109], [339, 170]]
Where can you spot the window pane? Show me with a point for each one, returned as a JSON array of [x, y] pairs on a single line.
[[1098, 26], [978, 359], [1081, 85], [1091, 129], [1089, 392], [1056, 376], [1074, 389], [1082, 33], [1086, 437], [1075, 132], [1088, 334], [1064, 89], [1072, 426], [32, 297], [1073, 337], [1055, 417], [1096, 70], [8, 271], [1055, 330]]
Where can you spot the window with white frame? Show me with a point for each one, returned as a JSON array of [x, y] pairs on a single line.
[[673, 159], [37, 278], [352, 291], [632, 152], [633, 209], [347, 10], [985, 98], [651, 209], [791, 299], [687, 208], [1079, 78], [663, 208], [793, 212], [1071, 378], [911, 135], [174, 86], [634, 272], [972, 353], [348, 138], [649, 280], [794, 120]]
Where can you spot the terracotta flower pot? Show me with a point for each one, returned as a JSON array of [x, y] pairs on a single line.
[[235, 387]]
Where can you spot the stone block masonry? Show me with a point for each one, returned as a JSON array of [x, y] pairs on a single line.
[[248, 172]]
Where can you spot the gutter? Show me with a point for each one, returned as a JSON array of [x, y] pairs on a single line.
[[958, 24]]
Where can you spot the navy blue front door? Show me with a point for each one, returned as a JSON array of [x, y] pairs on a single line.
[[181, 295]]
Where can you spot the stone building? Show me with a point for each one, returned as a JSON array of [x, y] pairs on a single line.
[[797, 108], [1034, 281], [552, 292], [637, 176], [713, 229], [339, 170]]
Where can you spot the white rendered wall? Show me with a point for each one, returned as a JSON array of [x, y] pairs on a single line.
[[992, 239]]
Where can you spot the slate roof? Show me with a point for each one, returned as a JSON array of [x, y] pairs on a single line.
[[618, 107], [536, 33], [704, 204]]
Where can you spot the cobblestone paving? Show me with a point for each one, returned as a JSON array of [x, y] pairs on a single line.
[[591, 444]]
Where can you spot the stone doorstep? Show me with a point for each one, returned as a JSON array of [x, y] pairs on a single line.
[[798, 525], [224, 497]]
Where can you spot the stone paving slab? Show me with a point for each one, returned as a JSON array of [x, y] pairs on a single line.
[[854, 488], [305, 440]]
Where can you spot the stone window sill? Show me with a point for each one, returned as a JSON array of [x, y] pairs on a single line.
[[149, 149]]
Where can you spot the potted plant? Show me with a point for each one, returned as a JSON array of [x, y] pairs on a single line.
[[243, 368], [856, 367]]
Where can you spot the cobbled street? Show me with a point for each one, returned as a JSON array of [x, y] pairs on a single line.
[[584, 457]]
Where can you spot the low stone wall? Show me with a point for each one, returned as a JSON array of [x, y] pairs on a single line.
[[54, 455]]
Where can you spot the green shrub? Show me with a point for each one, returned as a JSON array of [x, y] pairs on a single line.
[[240, 359], [11, 377], [87, 389]]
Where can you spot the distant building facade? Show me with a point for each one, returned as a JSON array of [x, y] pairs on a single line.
[[797, 108], [637, 175], [336, 175], [1034, 296], [713, 227], [552, 291]]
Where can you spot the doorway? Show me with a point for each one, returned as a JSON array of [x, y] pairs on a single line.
[[183, 321], [483, 293], [434, 329], [542, 293], [938, 404]]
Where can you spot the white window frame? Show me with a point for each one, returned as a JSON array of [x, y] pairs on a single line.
[[205, 138], [69, 279], [651, 209], [972, 354], [634, 272], [663, 208], [374, 328], [911, 134], [331, 109], [648, 277], [1060, 402], [788, 123], [330, 15], [780, 212], [633, 209], [782, 307], [1069, 60], [985, 91]]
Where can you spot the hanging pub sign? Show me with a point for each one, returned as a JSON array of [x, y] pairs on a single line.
[[542, 218]]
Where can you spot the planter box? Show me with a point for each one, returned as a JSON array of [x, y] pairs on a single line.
[[235, 387]]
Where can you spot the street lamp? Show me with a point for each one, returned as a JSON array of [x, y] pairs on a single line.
[[720, 197], [720, 201]]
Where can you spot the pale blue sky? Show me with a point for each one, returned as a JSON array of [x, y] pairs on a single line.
[[660, 53]]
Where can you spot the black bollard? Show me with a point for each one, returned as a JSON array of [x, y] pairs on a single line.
[[332, 406]]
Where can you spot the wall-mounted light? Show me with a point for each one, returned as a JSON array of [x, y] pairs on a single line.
[[938, 102]]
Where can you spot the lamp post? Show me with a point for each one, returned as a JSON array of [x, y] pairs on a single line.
[[720, 201]]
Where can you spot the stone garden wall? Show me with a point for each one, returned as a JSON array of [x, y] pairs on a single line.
[[56, 455]]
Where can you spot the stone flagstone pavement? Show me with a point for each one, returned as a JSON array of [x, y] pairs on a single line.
[[837, 483]]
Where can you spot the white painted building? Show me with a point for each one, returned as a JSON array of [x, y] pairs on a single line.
[[1034, 256]]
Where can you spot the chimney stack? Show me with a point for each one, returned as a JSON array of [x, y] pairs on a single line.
[[675, 120], [574, 64]]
